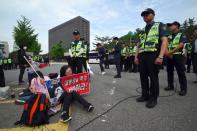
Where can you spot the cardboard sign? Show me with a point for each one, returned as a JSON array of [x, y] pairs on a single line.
[[77, 82]]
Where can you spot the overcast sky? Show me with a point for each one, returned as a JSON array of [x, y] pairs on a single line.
[[107, 17]]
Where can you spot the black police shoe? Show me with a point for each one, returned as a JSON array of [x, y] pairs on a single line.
[[117, 76], [142, 99], [151, 103], [182, 92], [169, 88]]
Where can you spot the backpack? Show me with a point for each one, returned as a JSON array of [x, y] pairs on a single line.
[[35, 111]]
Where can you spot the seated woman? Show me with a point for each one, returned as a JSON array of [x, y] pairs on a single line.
[[59, 94], [66, 98]]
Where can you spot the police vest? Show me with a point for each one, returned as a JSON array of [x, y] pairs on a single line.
[[173, 43], [150, 41], [5, 61], [9, 61], [188, 48], [76, 47], [124, 51], [132, 51]]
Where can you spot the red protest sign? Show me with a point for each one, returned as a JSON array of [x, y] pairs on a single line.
[[77, 82]]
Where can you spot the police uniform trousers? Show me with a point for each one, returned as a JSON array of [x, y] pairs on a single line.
[[132, 65], [189, 62], [117, 62], [178, 61], [76, 64], [149, 71], [123, 63]]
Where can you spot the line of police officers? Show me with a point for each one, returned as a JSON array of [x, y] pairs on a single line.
[[9, 63], [155, 44], [150, 54]]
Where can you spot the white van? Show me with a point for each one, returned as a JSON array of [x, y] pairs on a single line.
[[93, 57]]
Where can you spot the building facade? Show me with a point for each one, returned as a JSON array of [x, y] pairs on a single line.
[[63, 32]]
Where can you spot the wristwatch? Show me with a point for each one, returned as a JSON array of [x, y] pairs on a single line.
[[160, 57]]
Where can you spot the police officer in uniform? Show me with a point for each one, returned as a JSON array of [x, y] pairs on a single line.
[[124, 61], [188, 47], [76, 50], [106, 59], [176, 58], [9, 63], [117, 56], [132, 50], [5, 63], [149, 55]]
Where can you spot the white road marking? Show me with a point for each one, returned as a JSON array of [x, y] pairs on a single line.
[[111, 92]]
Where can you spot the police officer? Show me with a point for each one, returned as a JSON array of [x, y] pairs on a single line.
[[9, 63], [106, 59], [85, 54], [149, 54], [101, 56], [117, 56], [124, 61], [76, 50], [5, 63], [132, 51], [176, 58], [188, 47]]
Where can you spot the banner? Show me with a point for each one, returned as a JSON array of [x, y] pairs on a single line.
[[77, 82]]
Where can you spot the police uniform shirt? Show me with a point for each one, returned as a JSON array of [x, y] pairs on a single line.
[[117, 52]]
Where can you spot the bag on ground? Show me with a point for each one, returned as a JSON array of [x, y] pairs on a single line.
[[35, 111]]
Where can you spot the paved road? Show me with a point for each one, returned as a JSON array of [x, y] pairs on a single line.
[[173, 113]]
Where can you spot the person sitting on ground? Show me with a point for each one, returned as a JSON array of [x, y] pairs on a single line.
[[59, 94], [67, 98]]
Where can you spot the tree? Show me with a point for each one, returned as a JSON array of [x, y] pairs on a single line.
[[102, 40], [106, 41], [24, 36], [188, 27], [57, 51]]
